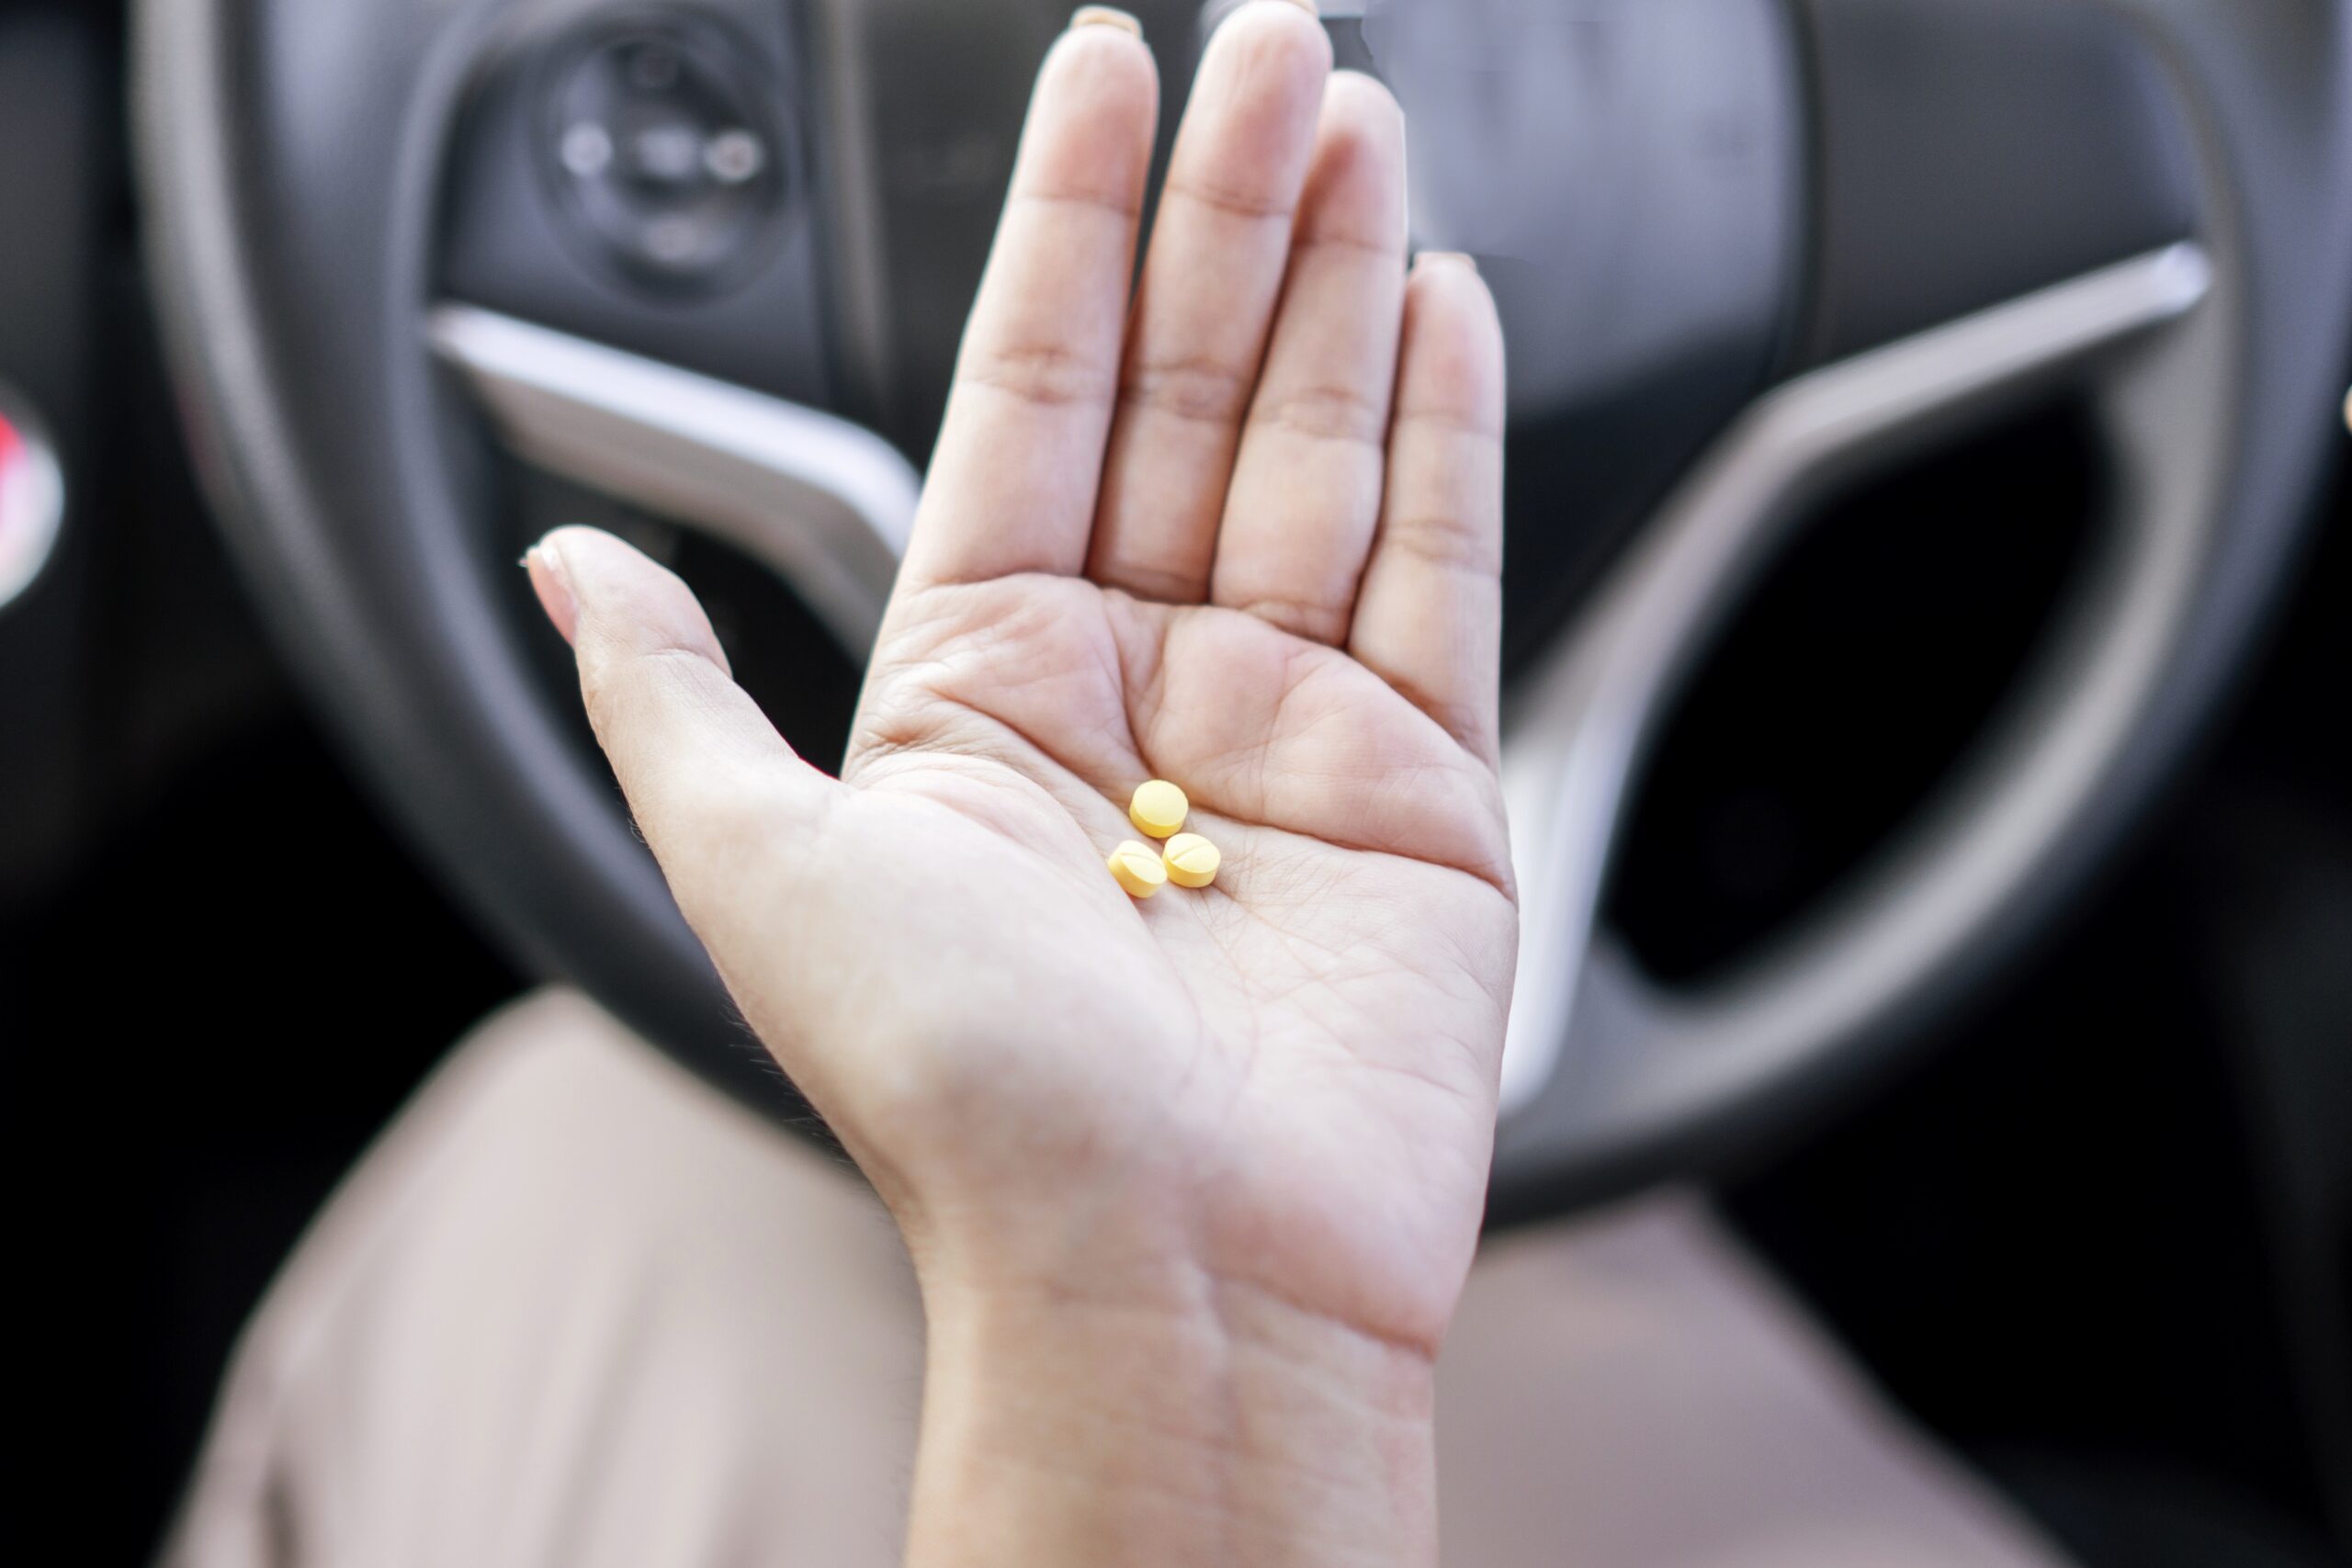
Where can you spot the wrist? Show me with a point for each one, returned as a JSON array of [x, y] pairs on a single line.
[[1178, 1419]]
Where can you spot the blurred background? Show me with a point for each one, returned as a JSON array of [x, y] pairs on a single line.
[[2099, 1241]]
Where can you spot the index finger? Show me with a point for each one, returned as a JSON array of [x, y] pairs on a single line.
[[1013, 483]]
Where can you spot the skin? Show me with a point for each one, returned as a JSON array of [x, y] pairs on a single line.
[[1192, 1185]]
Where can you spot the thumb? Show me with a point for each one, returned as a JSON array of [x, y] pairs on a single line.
[[696, 757]]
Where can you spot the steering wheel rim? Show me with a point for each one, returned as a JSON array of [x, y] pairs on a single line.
[[292, 157]]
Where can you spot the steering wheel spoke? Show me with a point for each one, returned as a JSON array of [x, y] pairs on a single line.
[[1581, 720], [824, 503]]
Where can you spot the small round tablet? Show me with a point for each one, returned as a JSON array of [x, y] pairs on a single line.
[[1158, 808], [1192, 861], [1136, 868]]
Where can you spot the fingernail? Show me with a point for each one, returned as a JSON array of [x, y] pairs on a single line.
[[1217, 14], [1446, 258], [552, 583], [1106, 16]]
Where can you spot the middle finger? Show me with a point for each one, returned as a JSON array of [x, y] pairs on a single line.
[[1206, 303]]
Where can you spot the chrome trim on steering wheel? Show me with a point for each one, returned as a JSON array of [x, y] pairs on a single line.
[[1577, 726], [826, 504]]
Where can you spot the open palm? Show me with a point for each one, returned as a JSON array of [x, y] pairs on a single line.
[[1239, 528]]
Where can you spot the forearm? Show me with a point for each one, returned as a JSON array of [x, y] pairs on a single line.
[[1213, 1424]]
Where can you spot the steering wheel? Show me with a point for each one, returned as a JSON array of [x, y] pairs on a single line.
[[711, 259]]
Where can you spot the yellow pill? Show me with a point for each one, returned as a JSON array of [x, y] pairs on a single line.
[[1136, 868], [1159, 808], [1192, 861]]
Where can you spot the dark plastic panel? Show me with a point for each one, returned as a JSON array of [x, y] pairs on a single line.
[[1632, 178], [1968, 151]]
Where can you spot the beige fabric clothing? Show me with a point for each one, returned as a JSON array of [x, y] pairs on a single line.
[[576, 1311]]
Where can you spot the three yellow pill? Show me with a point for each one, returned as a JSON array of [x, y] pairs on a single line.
[[1159, 808]]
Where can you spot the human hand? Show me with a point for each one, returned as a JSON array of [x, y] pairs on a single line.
[[1244, 535]]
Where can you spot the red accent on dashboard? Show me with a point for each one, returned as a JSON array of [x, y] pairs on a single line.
[[12, 461]]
